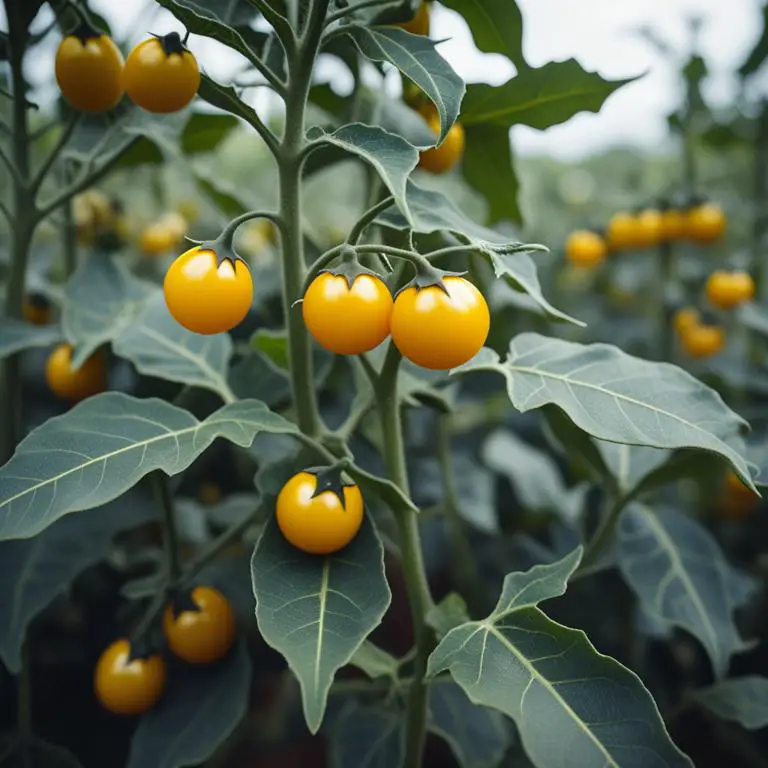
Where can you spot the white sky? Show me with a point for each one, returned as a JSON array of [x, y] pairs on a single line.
[[600, 34]]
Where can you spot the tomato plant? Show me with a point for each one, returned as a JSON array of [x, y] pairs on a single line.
[[308, 458]]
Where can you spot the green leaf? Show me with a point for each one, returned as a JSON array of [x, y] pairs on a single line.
[[374, 661], [550, 680], [741, 699], [226, 98], [36, 570], [759, 53], [417, 58], [221, 195], [105, 445], [629, 464], [450, 612], [198, 711], [100, 300], [392, 156], [606, 392], [204, 132], [538, 97], [496, 26], [368, 737], [201, 20], [317, 611], [158, 346], [534, 476], [679, 573], [432, 212], [478, 736], [16, 335], [489, 169]]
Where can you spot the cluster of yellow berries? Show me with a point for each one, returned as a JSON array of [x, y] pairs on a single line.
[[160, 75], [97, 216], [130, 686], [702, 224], [724, 291], [163, 235]]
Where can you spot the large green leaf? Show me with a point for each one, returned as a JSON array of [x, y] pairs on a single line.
[[204, 132], [432, 211], [100, 300], [478, 736], [571, 704], [36, 570], [225, 97], [158, 346], [616, 397], [534, 476], [16, 335], [496, 26], [104, 445], [538, 97], [488, 168], [200, 708], [318, 610], [742, 699], [202, 20], [368, 737], [680, 574], [392, 156], [417, 58]]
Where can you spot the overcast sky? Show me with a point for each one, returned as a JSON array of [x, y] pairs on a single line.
[[600, 34]]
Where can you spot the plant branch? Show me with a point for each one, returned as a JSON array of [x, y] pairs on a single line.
[[85, 179], [8, 163], [602, 536], [170, 534], [281, 26], [342, 12], [467, 576], [414, 572], [367, 219], [4, 210], [54, 154]]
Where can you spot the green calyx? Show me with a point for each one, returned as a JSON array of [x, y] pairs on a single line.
[[224, 250], [172, 43], [429, 276], [180, 601], [330, 479], [349, 268], [85, 31]]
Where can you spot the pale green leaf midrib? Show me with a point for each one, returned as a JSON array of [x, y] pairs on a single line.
[[535, 674], [615, 395]]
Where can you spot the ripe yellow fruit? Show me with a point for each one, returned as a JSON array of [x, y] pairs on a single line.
[[584, 248]]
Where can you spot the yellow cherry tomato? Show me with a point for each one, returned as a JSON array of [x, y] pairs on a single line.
[[89, 379], [585, 249], [440, 329], [702, 341], [175, 223], [161, 75], [205, 635], [685, 319], [102, 208], [344, 319], [737, 501], [727, 290], [206, 298], [621, 232], [704, 224], [673, 223], [647, 228], [444, 157], [419, 24], [37, 309], [156, 240], [89, 71], [128, 687], [318, 524]]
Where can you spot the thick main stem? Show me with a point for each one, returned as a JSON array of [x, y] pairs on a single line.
[[293, 264], [22, 226], [414, 572]]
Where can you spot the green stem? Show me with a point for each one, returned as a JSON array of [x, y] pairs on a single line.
[[170, 534], [464, 566], [22, 225], [293, 265], [416, 584], [368, 218], [69, 234], [602, 536], [666, 275]]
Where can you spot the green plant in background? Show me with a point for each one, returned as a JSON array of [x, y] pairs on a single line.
[[341, 434]]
